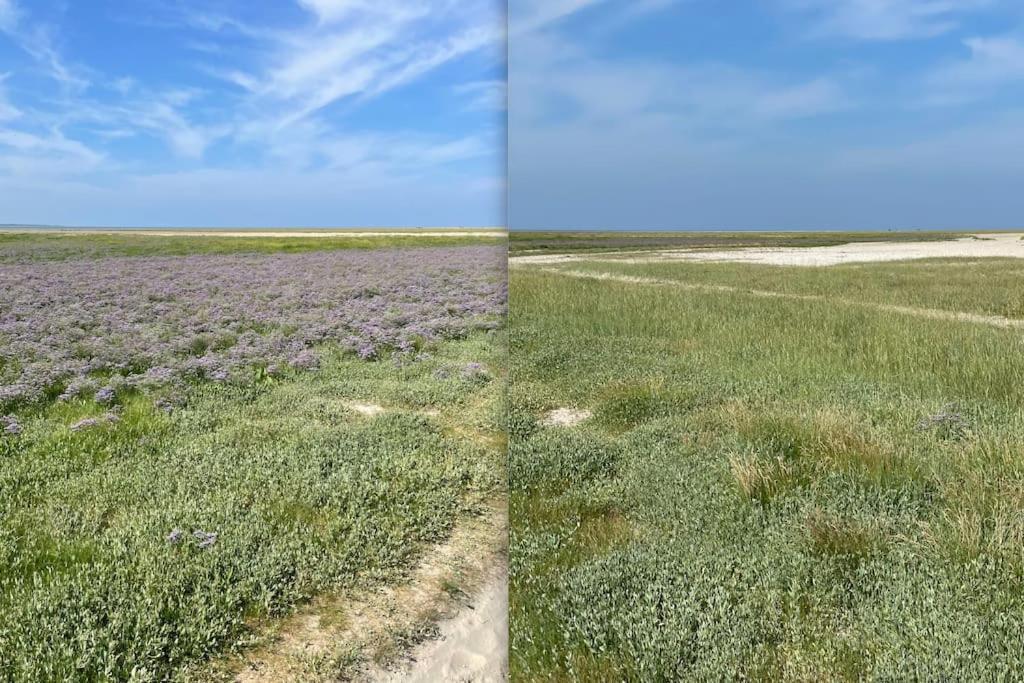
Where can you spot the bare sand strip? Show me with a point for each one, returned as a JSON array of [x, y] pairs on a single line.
[[565, 417], [472, 646], [460, 586], [930, 313], [982, 245]]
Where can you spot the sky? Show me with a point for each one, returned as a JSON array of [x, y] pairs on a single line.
[[252, 112], [766, 114]]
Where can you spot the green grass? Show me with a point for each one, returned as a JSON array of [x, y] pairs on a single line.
[[49, 246], [597, 241], [760, 493], [984, 286], [305, 495]]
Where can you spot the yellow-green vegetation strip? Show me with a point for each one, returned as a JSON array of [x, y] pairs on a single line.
[[138, 548], [555, 242], [48, 246], [769, 489]]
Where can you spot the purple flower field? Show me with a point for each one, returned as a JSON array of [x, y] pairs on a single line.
[[91, 327]]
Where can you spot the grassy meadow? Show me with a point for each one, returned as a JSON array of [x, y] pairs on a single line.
[[768, 489], [45, 245], [541, 241], [149, 530]]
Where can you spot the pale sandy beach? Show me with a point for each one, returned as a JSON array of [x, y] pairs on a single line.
[[988, 245]]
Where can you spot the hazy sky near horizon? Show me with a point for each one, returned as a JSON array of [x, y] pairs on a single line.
[[236, 113], [759, 114]]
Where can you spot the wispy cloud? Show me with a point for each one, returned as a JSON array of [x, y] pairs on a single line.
[[8, 15], [487, 95], [37, 40], [884, 19], [7, 110], [796, 114], [994, 61], [262, 96]]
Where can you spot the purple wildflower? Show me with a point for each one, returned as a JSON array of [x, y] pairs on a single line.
[[305, 360], [64, 326], [205, 538], [104, 395], [11, 425], [174, 538], [84, 424], [473, 370]]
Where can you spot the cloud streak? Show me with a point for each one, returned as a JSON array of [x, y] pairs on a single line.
[[286, 95], [884, 20]]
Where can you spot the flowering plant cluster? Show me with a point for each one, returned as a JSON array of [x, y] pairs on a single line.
[[89, 327]]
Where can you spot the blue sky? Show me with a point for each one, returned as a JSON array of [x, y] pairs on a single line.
[[252, 113], [784, 114]]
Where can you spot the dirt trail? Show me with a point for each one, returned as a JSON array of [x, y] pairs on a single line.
[[982, 245], [446, 621], [367, 635], [471, 646], [930, 313]]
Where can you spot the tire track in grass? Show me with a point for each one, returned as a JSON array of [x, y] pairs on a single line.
[[927, 313]]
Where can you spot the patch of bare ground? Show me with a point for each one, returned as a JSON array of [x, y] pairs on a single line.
[[989, 245], [367, 409], [930, 313], [373, 634], [446, 621], [565, 417]]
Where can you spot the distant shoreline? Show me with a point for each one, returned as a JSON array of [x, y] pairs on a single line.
[[266, 232]]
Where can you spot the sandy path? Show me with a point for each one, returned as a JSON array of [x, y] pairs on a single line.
[[474, 641], [472, 646], [930, 313], [993, 245]]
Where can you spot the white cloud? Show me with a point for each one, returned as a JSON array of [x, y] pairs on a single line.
[[37, 40], [533, 15], [489, 95], [64, 135], [33, 155], [7, 110], [993, 61], [8, 15], [885, 19], [606, 93]]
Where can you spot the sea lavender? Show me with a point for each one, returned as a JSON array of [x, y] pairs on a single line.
[[85, 424], [204, 539], [11, 425], [138, 324]]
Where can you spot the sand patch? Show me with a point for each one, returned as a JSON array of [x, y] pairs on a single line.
[[367, 409], [365, 635], [994, 245], [472, 646], [565, 417]]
